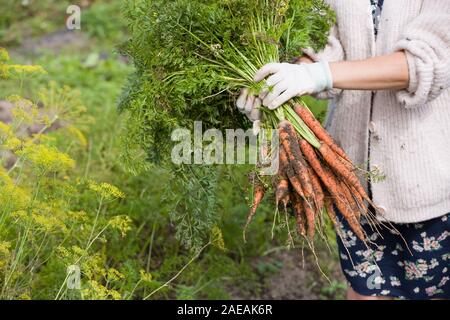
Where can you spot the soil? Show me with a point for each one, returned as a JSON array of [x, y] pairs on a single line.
[[296, 279], [54, 42]]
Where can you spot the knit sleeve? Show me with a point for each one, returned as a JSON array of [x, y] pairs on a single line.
[[426, 42], [333, 51]]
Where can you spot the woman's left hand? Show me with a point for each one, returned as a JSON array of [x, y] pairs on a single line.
[[288, 80]]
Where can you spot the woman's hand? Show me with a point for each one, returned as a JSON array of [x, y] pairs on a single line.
[[249, 104], [287, 81]]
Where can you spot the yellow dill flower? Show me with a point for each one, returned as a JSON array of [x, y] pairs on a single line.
[[78, 216], [4, 56], [77, 134], [114, 275], [24, 110], [48, 222], [106, 190], [115, 295], [20, 114], [8, 139], [64, 102], [96, 291], [92, 266], [78, 252], [5, 253], [46, 158], [145, 276], [3, 71], [20, 215], [13, 98], [63, 252], [19, 101], [217, 238], [12, 197], [121, 223], [26, 69], [4, 177], [6, 129]]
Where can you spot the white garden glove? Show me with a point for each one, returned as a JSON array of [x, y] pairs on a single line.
[[293, 80], [250, 105]]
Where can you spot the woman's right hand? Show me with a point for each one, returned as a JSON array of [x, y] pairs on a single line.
[[249, 105]]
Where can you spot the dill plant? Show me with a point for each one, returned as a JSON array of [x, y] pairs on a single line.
[[51, 218]]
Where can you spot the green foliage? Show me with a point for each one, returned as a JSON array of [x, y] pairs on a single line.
[[188, 58], [45, 222], [101, 21], [20, 19], [194, 212], [191, 58]]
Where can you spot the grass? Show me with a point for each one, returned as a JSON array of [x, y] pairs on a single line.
[[149, 255]]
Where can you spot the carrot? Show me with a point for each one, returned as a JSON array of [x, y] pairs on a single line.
[[351, 200], [258, 196], [346, 209], [330, 211], [358, 198], [295, 182], [299, 214], [319, 131], [290, 144], [311, 219], [318, 191], [341, 170], [331, 183], [284, 161], [282, 191]]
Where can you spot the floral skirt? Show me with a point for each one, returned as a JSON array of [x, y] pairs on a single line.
[[415, 265]]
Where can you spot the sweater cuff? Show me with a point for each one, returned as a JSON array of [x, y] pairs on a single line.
[[413, 79], [425, 68]]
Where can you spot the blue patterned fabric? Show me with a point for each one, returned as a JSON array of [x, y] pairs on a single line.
[[415, 267]]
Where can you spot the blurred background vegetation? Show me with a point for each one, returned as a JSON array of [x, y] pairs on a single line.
[[137, 264]]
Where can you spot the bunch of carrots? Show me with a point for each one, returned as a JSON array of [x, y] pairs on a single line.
[[313, 181]]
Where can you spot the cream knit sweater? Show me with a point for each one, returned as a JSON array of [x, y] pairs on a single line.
[[409, 131]]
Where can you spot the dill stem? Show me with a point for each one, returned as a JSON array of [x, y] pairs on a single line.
[[179, 272]]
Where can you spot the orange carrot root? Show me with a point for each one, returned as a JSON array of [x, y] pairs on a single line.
[[282, 191], [351, 200], [319, 131], [330, 211], [331, 183], [290, 144], [299, 214], [341, 170], [318, 190], [258, 196], [311, 219]]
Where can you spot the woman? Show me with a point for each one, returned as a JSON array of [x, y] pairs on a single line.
[[387, 67]]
